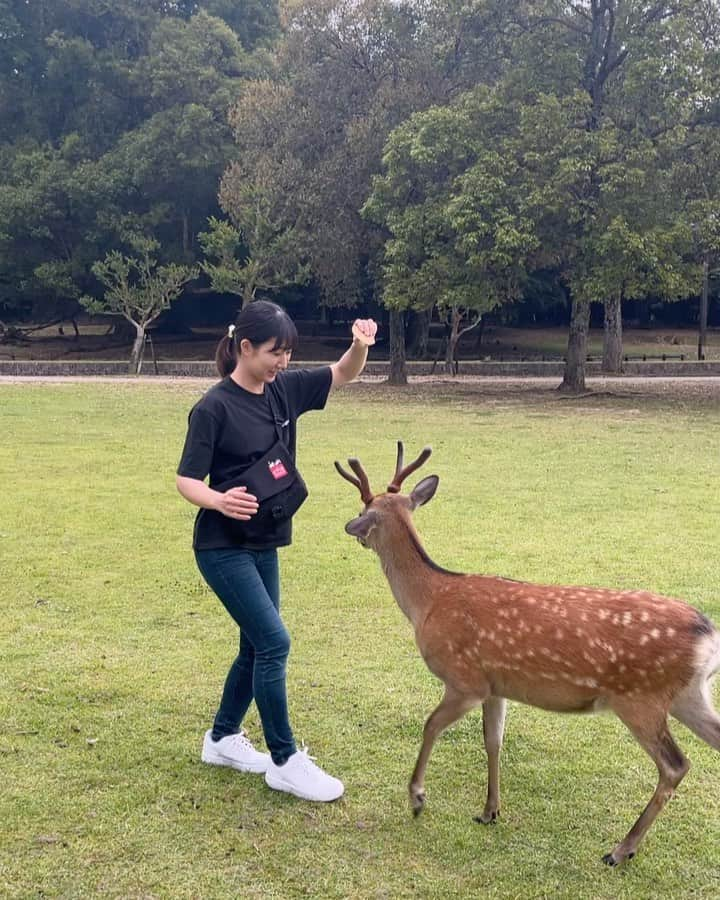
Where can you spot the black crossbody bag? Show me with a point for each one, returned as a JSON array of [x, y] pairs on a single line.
[[276, 483]]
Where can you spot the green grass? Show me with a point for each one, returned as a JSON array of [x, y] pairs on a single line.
[[113, 652], [536, 343]]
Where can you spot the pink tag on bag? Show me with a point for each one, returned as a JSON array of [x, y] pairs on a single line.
[[277, 469]]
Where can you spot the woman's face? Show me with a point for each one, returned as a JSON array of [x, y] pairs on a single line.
[[263, 362]]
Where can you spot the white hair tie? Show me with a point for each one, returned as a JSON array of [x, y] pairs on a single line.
[[231, 331]]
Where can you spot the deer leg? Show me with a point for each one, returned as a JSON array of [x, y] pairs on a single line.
[[650, 729], [493, 729], [452, 707]]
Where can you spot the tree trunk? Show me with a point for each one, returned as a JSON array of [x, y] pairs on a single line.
[[702, 334], [612, 336], [138, 348], [420, 333], [574, 377], [186, 233], [398, 370], [479, 336], [452, 342], [248, 295]]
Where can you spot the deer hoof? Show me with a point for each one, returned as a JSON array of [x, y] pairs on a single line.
[[612, 860], [487, 818], [418, 803]]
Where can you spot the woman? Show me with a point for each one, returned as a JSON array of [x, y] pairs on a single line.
[[254, 409]]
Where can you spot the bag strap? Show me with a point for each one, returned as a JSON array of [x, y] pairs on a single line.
[[281, 422]]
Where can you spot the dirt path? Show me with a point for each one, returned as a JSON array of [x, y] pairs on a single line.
[[706, 390]]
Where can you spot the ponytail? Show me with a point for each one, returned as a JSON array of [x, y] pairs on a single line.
[[258, 322], [226, 355]]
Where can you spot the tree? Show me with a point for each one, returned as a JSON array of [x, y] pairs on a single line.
[[137, 289], [253, 259], [347, 73], [113, 117], [616, 53], [453, 201]]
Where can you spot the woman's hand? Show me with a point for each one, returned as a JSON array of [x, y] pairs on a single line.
[[236, 503], [364, 331]]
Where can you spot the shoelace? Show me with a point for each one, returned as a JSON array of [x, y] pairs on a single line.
[[243, 741], [308, 761]]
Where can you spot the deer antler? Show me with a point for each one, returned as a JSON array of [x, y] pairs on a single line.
[[400, 473], [361, 482]]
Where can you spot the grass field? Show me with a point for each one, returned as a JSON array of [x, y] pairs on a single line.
[[113, 651]]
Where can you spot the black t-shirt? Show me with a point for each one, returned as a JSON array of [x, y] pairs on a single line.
[[230, 428]]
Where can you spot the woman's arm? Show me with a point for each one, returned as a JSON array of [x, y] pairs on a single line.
[[352, 362], [235, 503]]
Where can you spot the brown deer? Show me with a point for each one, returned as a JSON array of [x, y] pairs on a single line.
[[565, 649]]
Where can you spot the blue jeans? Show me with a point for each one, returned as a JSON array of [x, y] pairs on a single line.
[[248, 584]]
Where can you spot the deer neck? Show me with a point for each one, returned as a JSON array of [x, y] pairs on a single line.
[[409, 570]]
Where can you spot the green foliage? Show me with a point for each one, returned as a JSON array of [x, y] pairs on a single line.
[[454, 203], [346, 74], [113, 117], [267, 259], [136, 287], [578, 139]]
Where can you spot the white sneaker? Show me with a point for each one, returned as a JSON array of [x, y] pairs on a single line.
[[235, 751], [301, 777]]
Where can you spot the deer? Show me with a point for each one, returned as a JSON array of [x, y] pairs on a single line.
[[491, 639]]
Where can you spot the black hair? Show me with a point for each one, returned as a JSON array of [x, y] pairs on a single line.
[[258, 322]]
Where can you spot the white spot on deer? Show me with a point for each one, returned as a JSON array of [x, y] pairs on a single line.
[[579, 632], [531, 600], [531, 653], [583, 617], [627, 618], [559, 634], [655, 633], [603, 614], [670, 632], [615, 619], [644, 616], [644, 639], [622, 667]]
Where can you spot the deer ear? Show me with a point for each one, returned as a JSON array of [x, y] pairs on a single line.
[[362, 526], [424, 490]]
